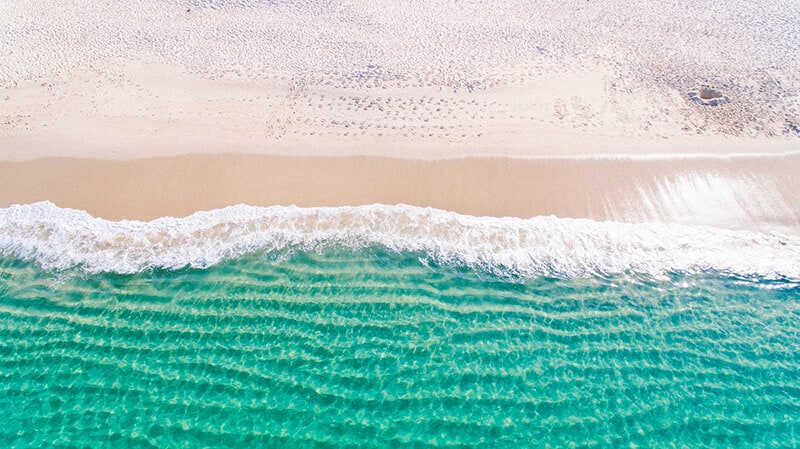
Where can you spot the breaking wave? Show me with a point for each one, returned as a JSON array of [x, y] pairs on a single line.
[[58, 238]]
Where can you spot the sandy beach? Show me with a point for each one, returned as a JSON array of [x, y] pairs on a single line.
[[220, 103], [752, 192]]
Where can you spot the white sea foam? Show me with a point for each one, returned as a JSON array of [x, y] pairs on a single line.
[[59, 238]]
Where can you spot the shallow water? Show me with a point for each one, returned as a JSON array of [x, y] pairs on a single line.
[[372, 347]]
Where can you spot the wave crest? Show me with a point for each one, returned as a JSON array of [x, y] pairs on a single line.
[[58, 239]]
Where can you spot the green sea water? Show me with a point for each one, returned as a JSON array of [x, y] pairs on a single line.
[[347, 348]]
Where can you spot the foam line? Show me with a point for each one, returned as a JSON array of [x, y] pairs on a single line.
[[59, 239]]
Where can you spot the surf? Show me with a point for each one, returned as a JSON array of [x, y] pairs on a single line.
[[58, 239]]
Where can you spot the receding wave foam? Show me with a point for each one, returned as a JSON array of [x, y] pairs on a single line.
[[59, 238]]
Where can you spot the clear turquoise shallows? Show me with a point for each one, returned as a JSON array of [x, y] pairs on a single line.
[[374, 348]]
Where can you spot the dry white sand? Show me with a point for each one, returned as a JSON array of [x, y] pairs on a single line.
[[124, 79], [423, 80]]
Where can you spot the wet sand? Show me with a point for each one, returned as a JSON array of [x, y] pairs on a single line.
[[732, 192]]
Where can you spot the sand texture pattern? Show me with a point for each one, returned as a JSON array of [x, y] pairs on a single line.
[[399, 79]]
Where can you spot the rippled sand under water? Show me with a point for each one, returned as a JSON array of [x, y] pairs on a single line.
[[377, 348]]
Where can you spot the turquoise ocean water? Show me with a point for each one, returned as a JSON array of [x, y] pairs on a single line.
[[376, 327]]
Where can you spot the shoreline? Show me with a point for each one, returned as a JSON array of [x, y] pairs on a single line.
[[552, 143], [735, 192]]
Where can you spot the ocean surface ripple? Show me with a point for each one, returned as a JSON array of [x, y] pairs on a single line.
[[370, 347]]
